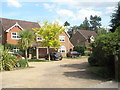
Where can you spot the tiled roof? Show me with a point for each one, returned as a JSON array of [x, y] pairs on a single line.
[[7, 23], [87, 33]]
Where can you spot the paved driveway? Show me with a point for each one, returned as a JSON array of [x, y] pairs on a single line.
[[58, 74]]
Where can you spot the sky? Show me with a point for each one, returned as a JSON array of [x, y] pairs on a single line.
[[73, 11]]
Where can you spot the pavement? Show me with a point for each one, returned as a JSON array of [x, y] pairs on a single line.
[[68, 73]]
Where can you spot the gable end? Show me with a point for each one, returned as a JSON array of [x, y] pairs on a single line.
[[14, 26]]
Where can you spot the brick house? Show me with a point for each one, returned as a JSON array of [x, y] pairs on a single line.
[[9, 29], [83, 37]]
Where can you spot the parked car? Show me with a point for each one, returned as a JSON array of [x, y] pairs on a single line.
[[54, 56], [18, 55], [73, 54]]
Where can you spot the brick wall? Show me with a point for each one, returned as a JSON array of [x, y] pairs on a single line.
[[8, 35]]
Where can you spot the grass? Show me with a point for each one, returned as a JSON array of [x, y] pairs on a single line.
[[76, 57], [103, 72], [37, 60]]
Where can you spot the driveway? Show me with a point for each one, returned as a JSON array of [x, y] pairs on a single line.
[[68, 73]]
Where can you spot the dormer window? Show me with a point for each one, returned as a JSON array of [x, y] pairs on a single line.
[[14, 35]]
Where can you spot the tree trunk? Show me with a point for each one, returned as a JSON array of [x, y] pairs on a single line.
[[26, 58], [48, 51]]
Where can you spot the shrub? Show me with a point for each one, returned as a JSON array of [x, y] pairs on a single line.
[[80, 49], [1, 52], [22, 63], [92, 61], [8, 61], [104, 49]]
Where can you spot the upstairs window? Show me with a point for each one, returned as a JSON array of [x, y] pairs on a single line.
[[14, 35], [62, 38], [39, 39], [78, 41]]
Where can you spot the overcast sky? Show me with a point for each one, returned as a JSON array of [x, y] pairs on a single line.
[[73, 11]]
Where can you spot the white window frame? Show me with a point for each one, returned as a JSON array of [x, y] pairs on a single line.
[[12, 36], [38, 39], [62, 48], [16, 49], [62, 38]]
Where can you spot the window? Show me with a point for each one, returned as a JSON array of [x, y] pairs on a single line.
[[16, 50], [78, 41], [39, 39], [14, 35], [62, 49], [62, 38]]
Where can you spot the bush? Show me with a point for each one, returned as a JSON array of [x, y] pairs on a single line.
[[104, 49], [1, 53], [92, 61], [22, 63], [80, 49], [8, 61]]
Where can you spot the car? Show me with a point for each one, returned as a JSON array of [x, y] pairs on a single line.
[[73, 54], [54, 56], [18, 55]]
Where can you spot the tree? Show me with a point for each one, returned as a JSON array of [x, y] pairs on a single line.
[[85, 25], [95, 22], [80, 49], [50, 32], [115, 18], [27, 39], [66, 24], [102, 31]]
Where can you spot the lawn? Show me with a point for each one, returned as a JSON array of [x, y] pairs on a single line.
[[37, 60], [76, 57]]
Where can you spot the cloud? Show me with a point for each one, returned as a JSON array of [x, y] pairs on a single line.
[[14, 3], [82, 13], [64, 12], [50, 7]]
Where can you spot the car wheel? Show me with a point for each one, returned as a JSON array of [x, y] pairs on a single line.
[[60, 58]]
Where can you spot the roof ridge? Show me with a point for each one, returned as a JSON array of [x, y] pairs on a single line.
[[18, 20]]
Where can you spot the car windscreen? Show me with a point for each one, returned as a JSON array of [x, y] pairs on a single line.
[[74, 52]]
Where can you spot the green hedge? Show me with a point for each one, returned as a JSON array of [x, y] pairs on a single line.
[[103, 51]]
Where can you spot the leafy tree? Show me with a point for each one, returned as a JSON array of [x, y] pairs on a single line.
[[103, 50], [27, 39], [85, 25], [50, 32], [80, 49], [95, 22], [72, 29], [102, 31], [66, 24], [115, 18]]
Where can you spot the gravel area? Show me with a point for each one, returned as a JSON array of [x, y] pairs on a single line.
[[68, 73]]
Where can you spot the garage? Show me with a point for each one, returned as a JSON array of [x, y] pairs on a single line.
[[42, 52]]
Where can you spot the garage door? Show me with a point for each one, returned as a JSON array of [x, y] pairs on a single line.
[[42, 52]]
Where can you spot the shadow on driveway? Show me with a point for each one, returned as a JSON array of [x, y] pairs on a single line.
[[80, 71]]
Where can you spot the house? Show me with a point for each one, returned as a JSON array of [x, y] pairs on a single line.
[[9, 29], [83, 37], [65, 47]]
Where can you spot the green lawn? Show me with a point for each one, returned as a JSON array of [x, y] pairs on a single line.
[[37, 60], [76, 57]]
